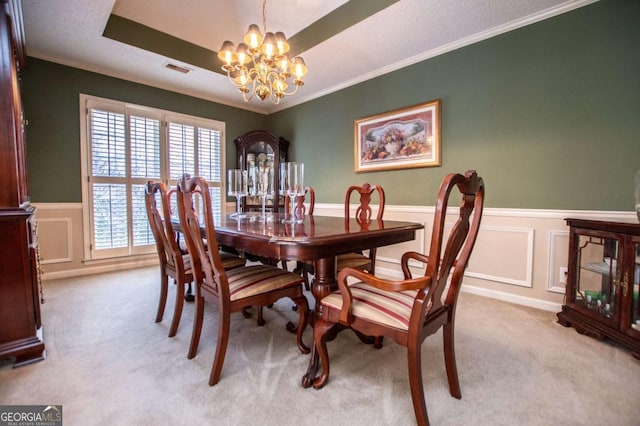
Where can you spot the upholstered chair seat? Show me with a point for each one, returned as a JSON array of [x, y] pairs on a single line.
[[392, 309], [353, 260], [258, 279]]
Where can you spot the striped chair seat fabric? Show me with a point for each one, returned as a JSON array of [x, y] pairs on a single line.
[[370, 303], [252, 280]]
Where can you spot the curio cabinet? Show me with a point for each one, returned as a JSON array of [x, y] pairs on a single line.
[[601, 298]]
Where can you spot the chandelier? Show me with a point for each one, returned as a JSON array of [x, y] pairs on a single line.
[[261, 66]]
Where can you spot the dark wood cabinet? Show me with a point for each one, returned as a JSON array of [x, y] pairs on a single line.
[[260, 148], [20, 321], [602, 284]]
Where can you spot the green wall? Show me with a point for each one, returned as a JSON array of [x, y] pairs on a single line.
[[51, 103], [548, 114]]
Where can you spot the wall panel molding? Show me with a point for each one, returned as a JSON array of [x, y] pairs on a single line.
[[45, 227], [524, 275], [553, 277]]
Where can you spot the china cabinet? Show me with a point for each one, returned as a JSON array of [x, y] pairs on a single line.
[[601, 298], [263, 150], [20, 321]]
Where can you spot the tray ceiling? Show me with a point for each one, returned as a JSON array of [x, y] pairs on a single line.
[[343, 42]]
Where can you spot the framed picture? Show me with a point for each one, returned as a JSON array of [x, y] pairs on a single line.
[[400, 139]]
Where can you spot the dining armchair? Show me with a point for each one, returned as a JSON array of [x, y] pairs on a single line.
[[174, 262], [230, 290], [411, 309], [363, 213]]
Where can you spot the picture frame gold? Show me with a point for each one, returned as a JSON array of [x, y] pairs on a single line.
[[399, 139]]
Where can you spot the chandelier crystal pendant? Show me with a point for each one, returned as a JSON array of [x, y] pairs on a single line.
[[261, 65]]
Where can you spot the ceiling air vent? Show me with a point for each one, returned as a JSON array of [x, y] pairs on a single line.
[[183, 70]]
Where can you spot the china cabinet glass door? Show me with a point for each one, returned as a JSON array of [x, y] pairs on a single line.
[[260, 153], [260, 162], [596, 290]]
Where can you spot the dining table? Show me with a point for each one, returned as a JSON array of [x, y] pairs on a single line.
[[310, 239]]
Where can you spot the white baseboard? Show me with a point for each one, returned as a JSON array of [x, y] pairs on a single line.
[[98, 269], [512, 298]]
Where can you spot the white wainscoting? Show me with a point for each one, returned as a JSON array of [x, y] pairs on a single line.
[[518, 257]]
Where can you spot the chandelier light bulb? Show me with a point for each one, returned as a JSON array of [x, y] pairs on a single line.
[[299, 68], [241, 77], [253, 38], [269, 46], [281, 41], [280, 86], [283, 65], [227, 55]]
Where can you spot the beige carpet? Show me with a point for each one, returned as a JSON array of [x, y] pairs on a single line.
[[109, 363]]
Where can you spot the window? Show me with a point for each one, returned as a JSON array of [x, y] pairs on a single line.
[[123, 147]]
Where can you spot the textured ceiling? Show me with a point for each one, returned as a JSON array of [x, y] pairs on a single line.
[[70, 32]]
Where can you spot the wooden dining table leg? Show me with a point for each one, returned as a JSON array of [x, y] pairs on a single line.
[[323, 284]]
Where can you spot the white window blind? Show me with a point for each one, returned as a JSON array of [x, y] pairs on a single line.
[[127, 145], [145, 147], [110, 215], [108, 138], [181, 150], [142, 234], [209, 154], [196, 149], [209, 162]]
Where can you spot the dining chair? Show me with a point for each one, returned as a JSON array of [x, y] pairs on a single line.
[[230, 290], [174, 262], [411, 309], [301, 207], [363, 214]]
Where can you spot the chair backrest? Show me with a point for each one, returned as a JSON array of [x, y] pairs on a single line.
[[205, 259], [452, 256], [364, 211], [299, 208], [166, 241]]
